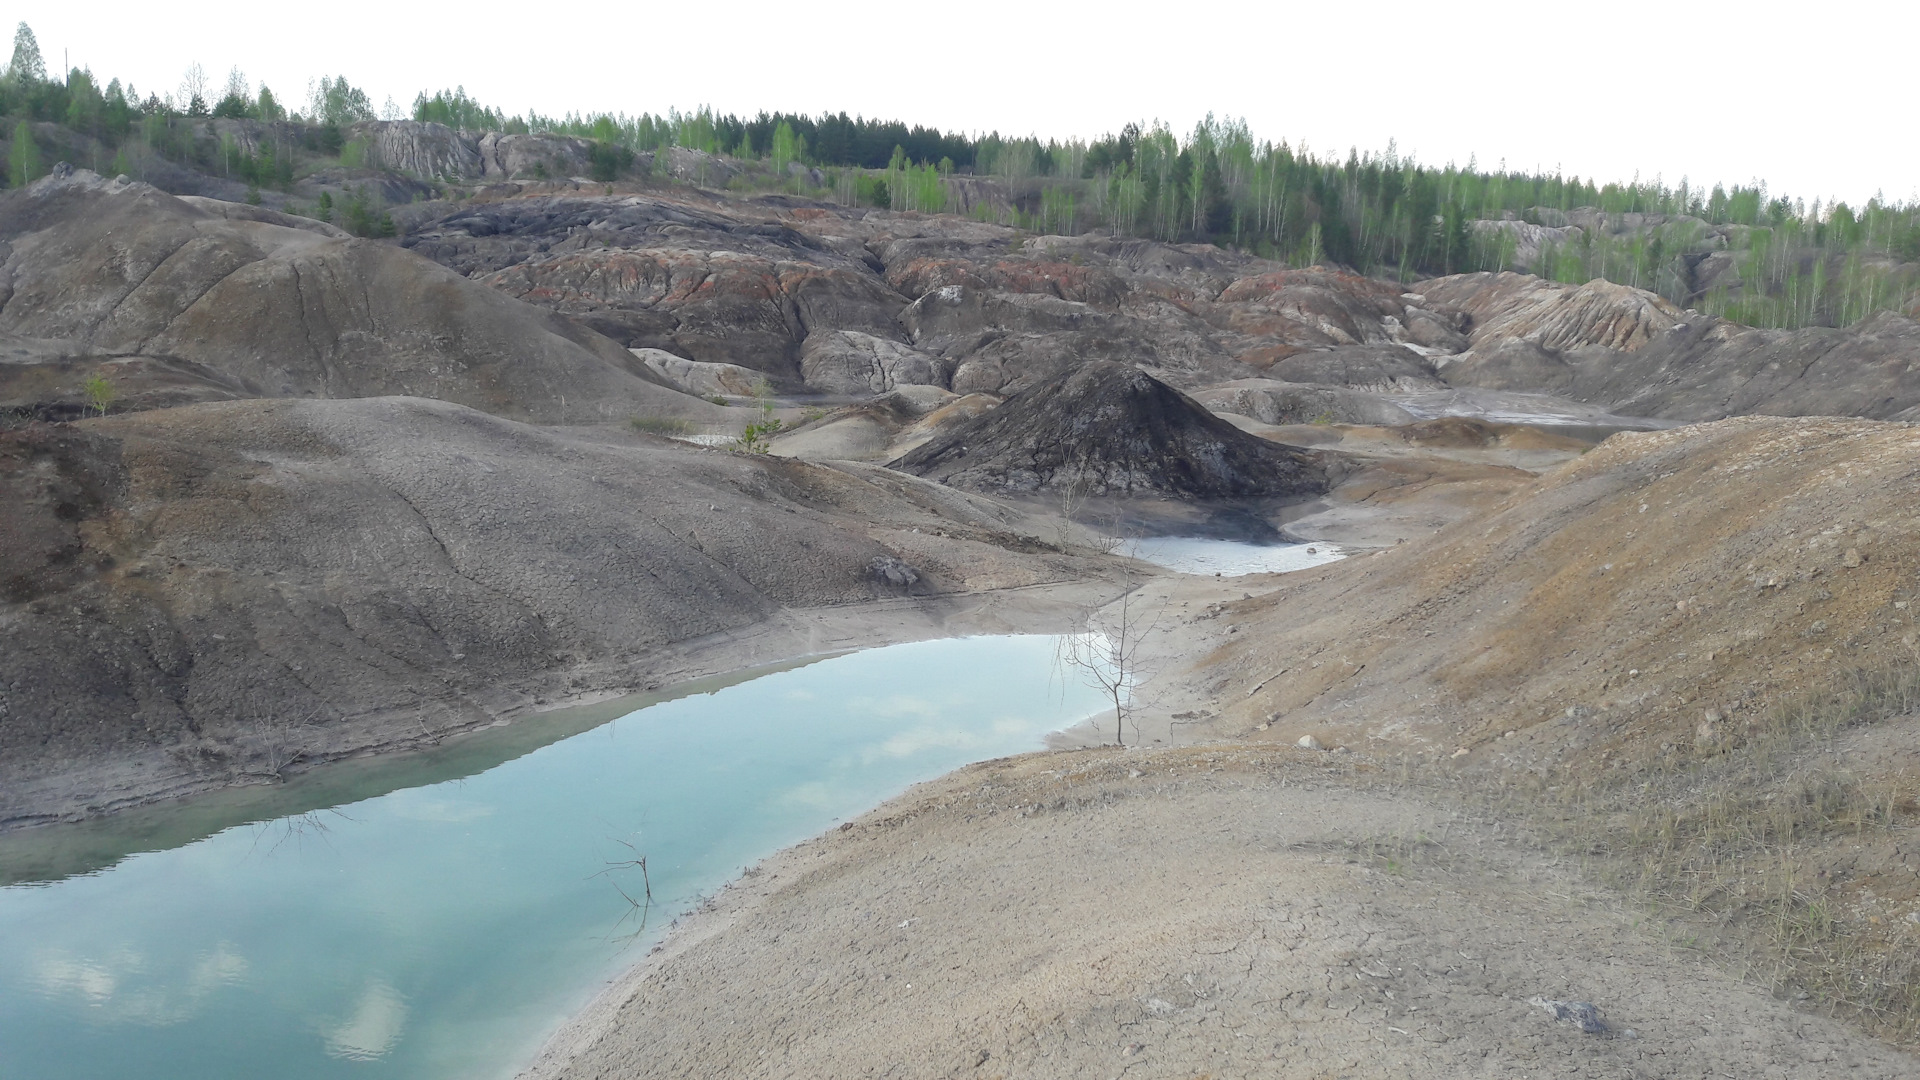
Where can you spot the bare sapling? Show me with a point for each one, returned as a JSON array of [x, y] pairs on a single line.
[[1073, 499], [1108, 658], [638, 908]]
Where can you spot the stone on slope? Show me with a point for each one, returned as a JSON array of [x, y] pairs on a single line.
[[1111, 429]]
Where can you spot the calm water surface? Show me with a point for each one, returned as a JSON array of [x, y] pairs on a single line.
[[1228, 558], [444, 930]]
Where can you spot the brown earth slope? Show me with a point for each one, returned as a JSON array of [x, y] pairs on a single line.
[[219, 591], [174, 302], [1656, 578]]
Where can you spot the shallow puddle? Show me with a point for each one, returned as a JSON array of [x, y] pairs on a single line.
[[444, 930], [1228, 558]]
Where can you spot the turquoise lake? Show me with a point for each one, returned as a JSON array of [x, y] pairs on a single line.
[[432, 923]]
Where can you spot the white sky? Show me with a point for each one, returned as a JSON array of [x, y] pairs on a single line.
[[1815, 99]]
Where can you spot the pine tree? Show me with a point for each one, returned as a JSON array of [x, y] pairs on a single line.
[[27, 66]]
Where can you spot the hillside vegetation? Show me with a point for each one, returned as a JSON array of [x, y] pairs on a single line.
[[1754, 256]]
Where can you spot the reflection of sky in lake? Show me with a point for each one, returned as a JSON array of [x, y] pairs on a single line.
[[1228, 558], [441, 931]]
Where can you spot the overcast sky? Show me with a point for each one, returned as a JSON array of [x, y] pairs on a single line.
[[1815, 99]]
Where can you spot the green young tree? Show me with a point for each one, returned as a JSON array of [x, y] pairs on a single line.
[[99, 394], [757, 437], [785, 150], [24, 159]]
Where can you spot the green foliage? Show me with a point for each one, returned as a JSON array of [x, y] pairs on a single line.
[[786, 148], [757, 437], [24, 159], [99, 394], [1783, 263], [607, 160], [86, 107], [458, 111], [26, 66], [1057, 214], [323, 209], [365, 214], [669, 426], [326, 140], [334, 102]]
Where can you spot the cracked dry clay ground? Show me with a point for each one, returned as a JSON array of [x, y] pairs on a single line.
[[1205, 911]]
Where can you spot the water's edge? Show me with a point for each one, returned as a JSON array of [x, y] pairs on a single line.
[[53, 852]]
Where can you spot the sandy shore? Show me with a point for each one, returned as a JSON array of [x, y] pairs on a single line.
[[1168, 910], [1216, 911]]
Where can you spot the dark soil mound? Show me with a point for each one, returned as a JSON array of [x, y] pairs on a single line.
[[1113, 430]]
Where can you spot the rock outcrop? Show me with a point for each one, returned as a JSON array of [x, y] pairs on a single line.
[[701, 379], [851, 362], [1111, 430]]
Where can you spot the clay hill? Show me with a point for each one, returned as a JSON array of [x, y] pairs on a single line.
[[1111, 429], [846, 300], [211, 594], [193, 299], [177, 301], [1658, 583]]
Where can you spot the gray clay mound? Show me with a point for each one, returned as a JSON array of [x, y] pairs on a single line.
[[1113, 430]]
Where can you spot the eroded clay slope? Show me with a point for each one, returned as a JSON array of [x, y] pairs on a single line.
[[1663, 581], [209, 591], [174, 303], [853, 301], [1634, 353]]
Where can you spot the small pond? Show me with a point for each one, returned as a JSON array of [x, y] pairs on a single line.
[[445, 929], [1228, 558]]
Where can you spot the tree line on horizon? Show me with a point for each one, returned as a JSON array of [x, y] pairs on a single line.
[[1380, 214]]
